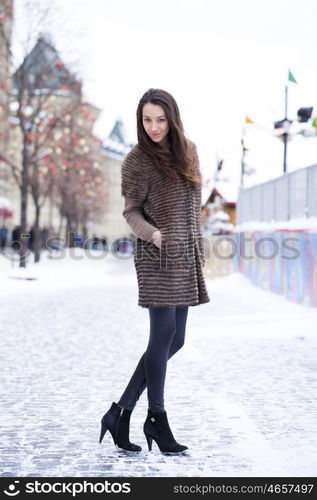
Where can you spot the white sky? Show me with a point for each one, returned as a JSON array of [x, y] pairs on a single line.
[[221, 60]]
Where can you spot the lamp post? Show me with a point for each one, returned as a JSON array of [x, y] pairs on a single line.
[[286, 126], [283, 126], [282, 131], [242, 158], [244, 150]]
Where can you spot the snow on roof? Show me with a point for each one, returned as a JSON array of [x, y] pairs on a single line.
[[227, 190], [116, 144], [111, 146], [205, 193]]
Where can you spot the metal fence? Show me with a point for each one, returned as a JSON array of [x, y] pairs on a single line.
[[292, 195]]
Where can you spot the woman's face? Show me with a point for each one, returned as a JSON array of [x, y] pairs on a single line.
[[155, 122]]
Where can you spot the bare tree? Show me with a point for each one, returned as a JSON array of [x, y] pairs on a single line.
[[34, 87], [58, 155], [39, 77], [6, 12], [80, 182]]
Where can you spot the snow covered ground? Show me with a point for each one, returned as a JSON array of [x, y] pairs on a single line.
[[241, 394]]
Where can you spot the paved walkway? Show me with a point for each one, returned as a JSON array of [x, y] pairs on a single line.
[[241, 393]]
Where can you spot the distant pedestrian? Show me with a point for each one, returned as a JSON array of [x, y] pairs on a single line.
[[44, 237], [79, 240], [3, 238], [16, 238], [104, 241], [161, 185], [31, 239]]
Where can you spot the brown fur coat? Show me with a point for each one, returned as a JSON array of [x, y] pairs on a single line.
[[171, 275]]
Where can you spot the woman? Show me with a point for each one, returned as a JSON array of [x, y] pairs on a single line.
[[161, 186]]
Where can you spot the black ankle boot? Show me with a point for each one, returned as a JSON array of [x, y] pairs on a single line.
[[156, 427], [123, 432], [112, 421]]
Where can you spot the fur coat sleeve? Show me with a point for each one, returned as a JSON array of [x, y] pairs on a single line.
[[134, 176]]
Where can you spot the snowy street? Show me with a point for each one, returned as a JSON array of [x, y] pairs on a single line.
[[241, 394]]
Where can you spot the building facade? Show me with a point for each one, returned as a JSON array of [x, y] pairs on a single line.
[[114, 150], [55, 95]]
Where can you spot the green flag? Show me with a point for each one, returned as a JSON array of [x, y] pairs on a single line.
[[291, 77]]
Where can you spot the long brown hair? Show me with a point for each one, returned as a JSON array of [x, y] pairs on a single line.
[[180, 158]]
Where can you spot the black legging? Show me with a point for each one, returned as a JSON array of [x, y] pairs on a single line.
[[167, 336]]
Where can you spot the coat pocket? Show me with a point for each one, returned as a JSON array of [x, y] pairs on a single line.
[[176, 250]]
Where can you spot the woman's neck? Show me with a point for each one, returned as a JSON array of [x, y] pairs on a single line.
[[164, 143]]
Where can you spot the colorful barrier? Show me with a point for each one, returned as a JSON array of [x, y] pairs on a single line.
[[283, 261]]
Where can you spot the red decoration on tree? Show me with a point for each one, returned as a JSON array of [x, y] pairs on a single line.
[[59, 64]]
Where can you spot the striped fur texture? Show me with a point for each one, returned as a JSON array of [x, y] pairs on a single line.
[[171, 275]]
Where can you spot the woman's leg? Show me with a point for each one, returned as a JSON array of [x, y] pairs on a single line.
[[138, 381], [162, 331]]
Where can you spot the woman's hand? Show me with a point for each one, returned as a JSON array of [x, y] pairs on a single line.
[[157, 238]]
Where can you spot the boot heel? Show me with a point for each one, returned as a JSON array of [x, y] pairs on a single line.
[[117, 422], [103, 431], [149, 441]]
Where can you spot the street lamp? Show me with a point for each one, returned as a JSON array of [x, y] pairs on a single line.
[[282, 127], [304, 114]]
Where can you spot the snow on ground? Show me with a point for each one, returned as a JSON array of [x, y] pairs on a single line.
[[241, 394]]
